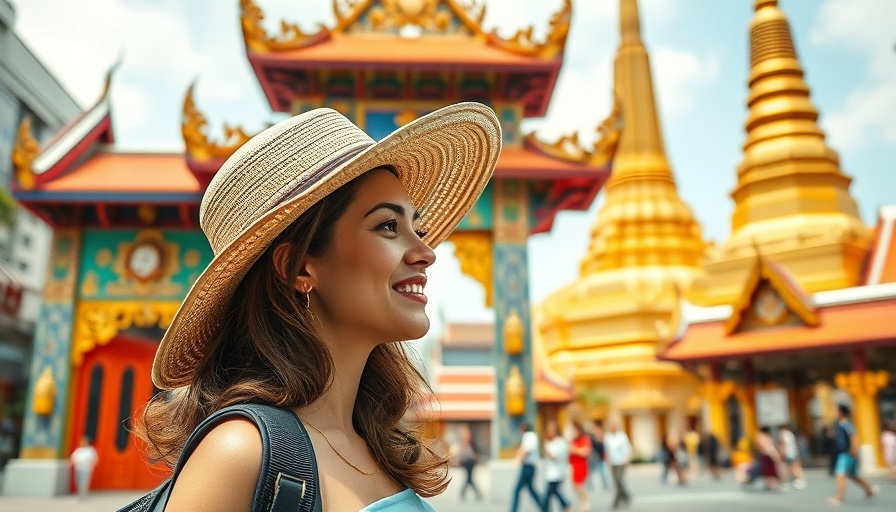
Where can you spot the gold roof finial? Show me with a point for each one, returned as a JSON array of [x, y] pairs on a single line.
[[765, 3], [194, 129], [23, 155]]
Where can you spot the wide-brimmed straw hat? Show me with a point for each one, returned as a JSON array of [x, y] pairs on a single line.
[[444, 160]]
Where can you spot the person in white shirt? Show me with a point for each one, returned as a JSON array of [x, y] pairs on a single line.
[[556, 451], [619, 453], [84, 460], [526, 456], [790, 452]]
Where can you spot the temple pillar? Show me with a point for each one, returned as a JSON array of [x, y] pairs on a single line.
[[748, 404], [511, 298], [863, 386], [514, 400], [716, 392], [43, 469]]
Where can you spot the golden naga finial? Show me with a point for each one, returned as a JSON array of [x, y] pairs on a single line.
[[23, 155], [291, 36], [568, 148], [553, 44], [194, 128]]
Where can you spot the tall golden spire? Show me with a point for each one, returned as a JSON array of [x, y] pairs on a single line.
[[643, 222], [790, 192]]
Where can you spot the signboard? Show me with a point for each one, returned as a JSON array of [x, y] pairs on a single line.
[[772, 408]]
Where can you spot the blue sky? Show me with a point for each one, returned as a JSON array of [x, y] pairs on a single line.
[[699, 57]]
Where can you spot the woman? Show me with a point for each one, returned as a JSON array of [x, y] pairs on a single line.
[[579, 451], [769, 459], [556, 452], [322, 238]]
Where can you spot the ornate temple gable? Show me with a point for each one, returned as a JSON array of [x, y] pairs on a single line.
[[770, 298], [34, 166], [204, 155], [411, 18]]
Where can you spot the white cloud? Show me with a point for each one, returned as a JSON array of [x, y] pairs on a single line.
[[678, 77], [867, 114]]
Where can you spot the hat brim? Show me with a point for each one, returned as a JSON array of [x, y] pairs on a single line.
[[443, 159]]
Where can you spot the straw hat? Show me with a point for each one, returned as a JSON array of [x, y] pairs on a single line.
[[444, 160]]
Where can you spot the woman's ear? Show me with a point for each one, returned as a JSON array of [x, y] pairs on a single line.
[[282, 256]]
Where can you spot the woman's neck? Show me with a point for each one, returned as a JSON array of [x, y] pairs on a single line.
[[334, 409]]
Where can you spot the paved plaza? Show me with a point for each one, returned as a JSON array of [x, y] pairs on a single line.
[[649, 495]]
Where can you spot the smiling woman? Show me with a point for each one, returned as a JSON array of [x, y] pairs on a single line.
[[322, 238]]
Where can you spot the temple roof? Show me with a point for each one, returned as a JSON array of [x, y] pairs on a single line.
[[409, 35], [881, 267], [850, 317]]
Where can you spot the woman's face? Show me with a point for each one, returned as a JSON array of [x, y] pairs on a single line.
[[370, 283]]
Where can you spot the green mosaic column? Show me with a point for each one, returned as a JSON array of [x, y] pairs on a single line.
[[43, 436], [511, 295]]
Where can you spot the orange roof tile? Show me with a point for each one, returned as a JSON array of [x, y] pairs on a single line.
[[525, 162], [430, 52], [128, 173], [547, 391], [839, 326]]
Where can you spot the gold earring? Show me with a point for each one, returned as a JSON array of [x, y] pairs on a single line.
[[308, 299]]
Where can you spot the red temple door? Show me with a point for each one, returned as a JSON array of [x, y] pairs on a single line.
[[114, 381]]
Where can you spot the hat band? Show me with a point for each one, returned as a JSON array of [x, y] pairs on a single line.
[[314, 176]]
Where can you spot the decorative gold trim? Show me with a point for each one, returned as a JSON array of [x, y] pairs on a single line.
[[291, 36], [23, 155], [347, 12], [568, 148], [194, 128], [97, 323], [553, 45], [474, 250]]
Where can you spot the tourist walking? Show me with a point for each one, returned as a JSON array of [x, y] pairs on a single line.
[[597, 461], [789, 450], [769, 459], [467, 458], [709, 450], [672, 455], [888, 446], [847, 466], [619, 453], [84, 459], [556, 451], [579, 452], [692, 445], [526, 456]]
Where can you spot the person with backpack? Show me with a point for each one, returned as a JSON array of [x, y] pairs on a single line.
[[321, 239], [847, 465]]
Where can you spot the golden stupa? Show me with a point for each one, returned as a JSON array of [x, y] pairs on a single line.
[[603, 330], [792, 202]]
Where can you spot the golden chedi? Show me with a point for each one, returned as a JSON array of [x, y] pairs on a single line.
[[602, 329], [792, 201]]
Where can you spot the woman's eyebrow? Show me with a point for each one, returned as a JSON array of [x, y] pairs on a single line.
[[397, 208]]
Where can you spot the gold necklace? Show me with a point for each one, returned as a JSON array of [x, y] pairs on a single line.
[[327, 439]]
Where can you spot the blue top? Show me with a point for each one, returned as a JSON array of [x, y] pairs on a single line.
[[405, 501]]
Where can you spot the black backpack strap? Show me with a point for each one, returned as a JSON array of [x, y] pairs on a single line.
[[288, 478]]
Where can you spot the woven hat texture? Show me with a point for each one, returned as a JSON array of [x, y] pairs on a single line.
[[444, 160]]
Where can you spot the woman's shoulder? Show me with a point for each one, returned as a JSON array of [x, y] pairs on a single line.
[[222, 471]]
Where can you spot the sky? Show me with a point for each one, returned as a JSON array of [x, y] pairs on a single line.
[[699, 57]]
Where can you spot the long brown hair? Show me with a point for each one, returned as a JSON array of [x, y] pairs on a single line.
[[268, 349]]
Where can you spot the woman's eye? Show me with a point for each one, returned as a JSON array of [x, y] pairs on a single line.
[[390, 225]]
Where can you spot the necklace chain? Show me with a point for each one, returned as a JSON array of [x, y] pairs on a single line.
[[327, 439]]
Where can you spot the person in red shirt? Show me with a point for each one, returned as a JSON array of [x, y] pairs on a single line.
[[579, 450]]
